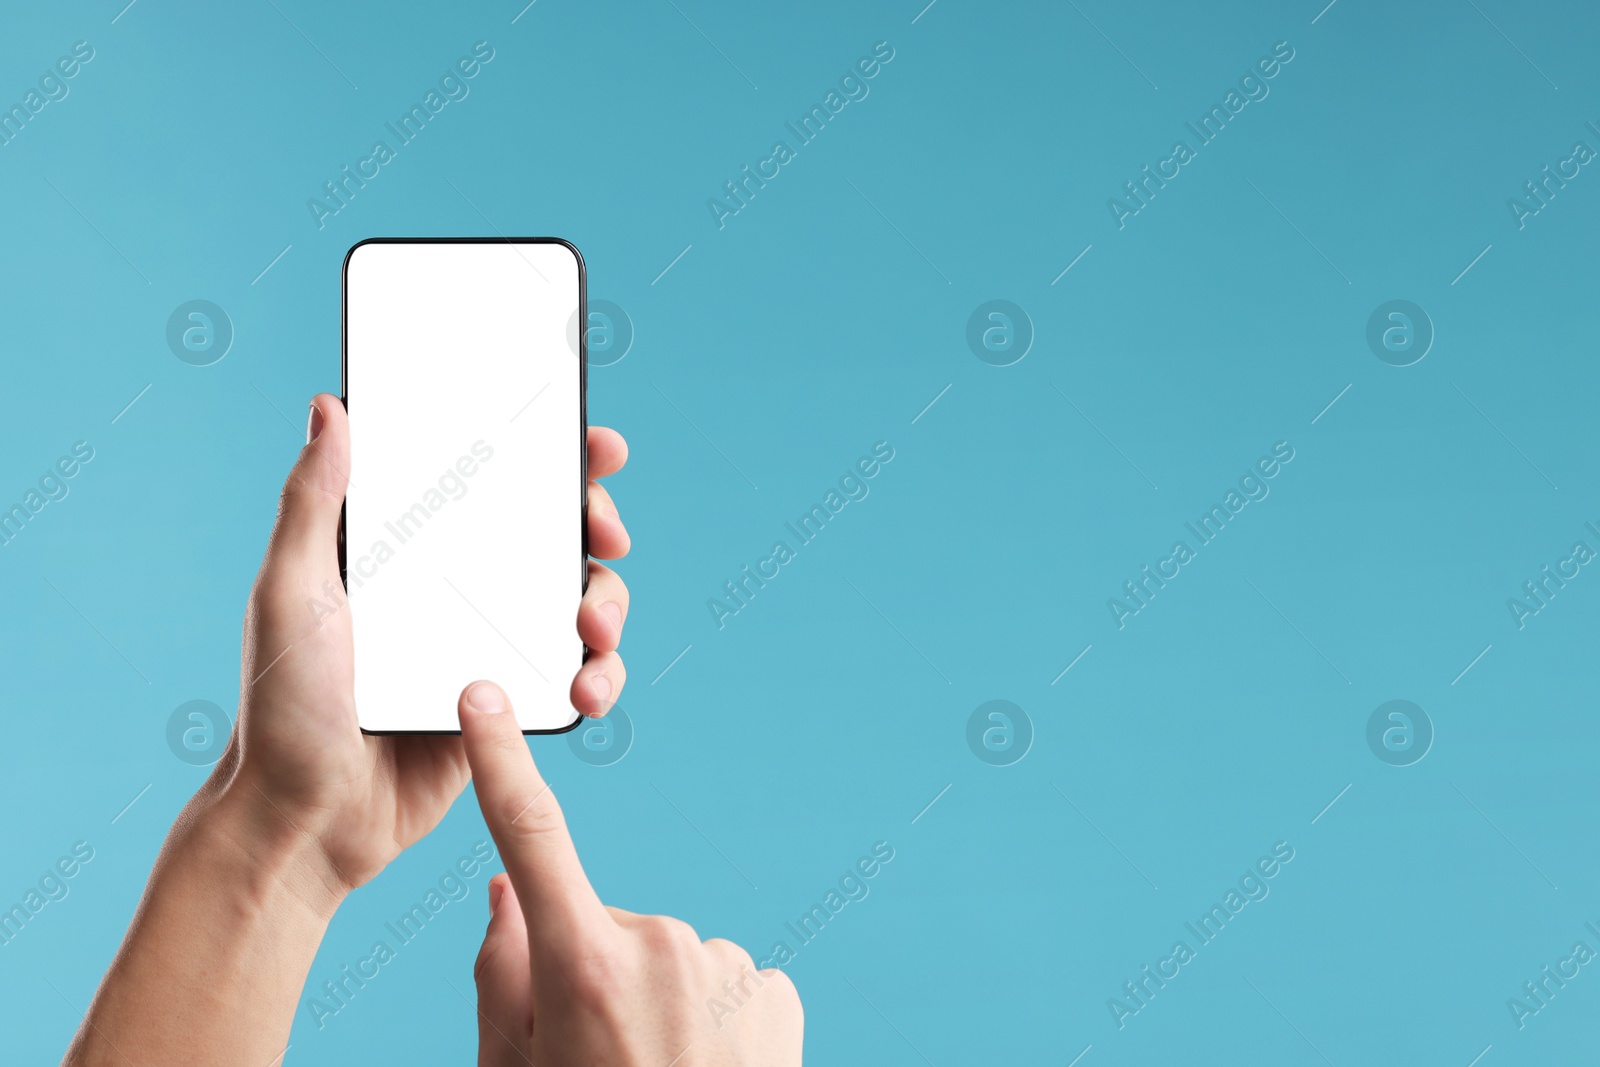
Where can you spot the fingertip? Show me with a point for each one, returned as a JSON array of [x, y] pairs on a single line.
[[611, 612], [497, 889], [326, 409], [482, 699], [325, 459], [600, 625], [608, 537], [600, 692], [621, 542], [619, 446], [593, 694], [598, 685], [312, 500], [608, 451]]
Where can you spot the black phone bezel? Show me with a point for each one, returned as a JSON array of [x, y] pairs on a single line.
[[583, 421]]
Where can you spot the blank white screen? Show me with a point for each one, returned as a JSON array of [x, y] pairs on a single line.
[[463, 518]]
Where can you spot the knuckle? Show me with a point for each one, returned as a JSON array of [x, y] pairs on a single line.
[[667, 935], [597, 977], [299, 489], [781, 982], [294, 488], [531, 817], [784, 991], [311, 479], [729, 953]]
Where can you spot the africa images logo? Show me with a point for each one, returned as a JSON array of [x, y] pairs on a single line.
[[852, 487], [1252, 887], [853, 87], [1253, 88], [1253, 488], [452, 88]]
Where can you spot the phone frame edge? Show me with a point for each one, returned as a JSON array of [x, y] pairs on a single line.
[[583, 427]]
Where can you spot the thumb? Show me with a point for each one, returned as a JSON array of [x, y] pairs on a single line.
[[504, 976], [307, 529]]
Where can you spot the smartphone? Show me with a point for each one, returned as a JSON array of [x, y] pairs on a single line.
[[464, 543]]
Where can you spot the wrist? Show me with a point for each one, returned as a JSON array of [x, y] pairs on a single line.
[[236, 907], [266, 855]]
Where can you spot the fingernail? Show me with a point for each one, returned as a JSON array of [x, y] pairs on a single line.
[[602, 687], [495, 891], [486, 698], [314, 426], [613, 614]]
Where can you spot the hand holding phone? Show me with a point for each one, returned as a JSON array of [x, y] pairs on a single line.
[[297, 750], [302, 807]]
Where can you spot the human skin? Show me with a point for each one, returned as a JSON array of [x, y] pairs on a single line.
[[302, 808], [564, 980]]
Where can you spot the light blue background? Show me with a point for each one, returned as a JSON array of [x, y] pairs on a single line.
[[824, 318]]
